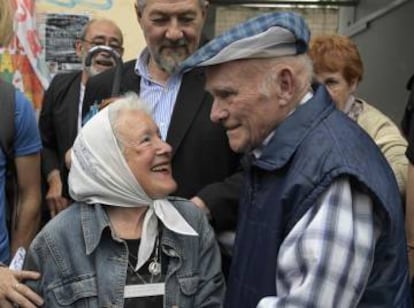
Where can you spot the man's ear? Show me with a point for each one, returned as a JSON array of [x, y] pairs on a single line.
[[138, 13], [286, 84], [205, 9], [122, 52], [78, 47]]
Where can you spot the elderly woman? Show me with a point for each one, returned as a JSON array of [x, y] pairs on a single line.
[[124, 243], [338, 65]]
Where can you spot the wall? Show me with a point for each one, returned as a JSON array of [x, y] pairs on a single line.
[[387, 47], [120, 11], [320, 20]]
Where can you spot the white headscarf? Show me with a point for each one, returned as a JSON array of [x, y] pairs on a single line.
[[100, 174]]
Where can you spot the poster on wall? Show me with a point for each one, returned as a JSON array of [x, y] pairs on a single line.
[[61, 32]]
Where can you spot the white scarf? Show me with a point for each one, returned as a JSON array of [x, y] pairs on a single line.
[[100, 174]]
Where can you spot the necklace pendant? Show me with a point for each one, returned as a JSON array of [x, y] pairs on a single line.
[[154, 268]]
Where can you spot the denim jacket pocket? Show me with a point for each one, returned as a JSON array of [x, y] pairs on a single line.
[[188, 290], [189, 285], [78, 292]]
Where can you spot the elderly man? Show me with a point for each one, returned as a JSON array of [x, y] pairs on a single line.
[[320, 221], [202, 161], [60, 118]]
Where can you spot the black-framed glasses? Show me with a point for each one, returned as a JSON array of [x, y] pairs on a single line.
[[113, 44]]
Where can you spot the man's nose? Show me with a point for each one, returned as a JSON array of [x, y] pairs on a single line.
[[174, 31], [217, 112]]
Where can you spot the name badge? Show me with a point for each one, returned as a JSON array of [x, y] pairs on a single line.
[[143, 290]]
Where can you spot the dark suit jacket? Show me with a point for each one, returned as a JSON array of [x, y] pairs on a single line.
[[202, 161], [58, 123]]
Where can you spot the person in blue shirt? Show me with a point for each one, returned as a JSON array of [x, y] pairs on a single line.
[[27, 212], [27, 148]]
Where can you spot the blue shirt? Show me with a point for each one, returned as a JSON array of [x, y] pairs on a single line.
[[159, 98], [27, 142]]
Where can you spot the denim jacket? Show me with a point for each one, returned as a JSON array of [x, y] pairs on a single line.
[[84, 264]]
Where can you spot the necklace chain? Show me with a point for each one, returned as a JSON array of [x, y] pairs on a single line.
[[132, 270], [154, 268]]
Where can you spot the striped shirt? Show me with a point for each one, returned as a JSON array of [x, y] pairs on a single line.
[[159, 98], [326, 258]]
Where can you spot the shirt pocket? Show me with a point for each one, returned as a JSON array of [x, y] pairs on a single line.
[[80, 292]]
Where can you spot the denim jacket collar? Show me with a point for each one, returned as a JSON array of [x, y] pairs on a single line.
[[94, 220]]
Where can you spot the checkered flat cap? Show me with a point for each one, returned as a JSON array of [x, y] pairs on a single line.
[[266, 36]]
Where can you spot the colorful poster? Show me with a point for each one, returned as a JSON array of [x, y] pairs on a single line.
[[22, 61]]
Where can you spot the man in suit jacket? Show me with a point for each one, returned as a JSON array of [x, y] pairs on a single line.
[[60, 118], [203, 164]]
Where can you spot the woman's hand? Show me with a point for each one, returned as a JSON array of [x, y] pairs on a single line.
[[14, 292]]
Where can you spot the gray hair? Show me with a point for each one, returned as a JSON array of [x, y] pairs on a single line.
[[141, 4], [128, 102]]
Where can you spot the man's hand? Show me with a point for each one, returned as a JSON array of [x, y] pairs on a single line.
[[54, 199], [107, 101], [201, 205], [14, 292], [68, 158]]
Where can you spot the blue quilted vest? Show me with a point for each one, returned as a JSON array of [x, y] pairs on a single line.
[[308, 151]]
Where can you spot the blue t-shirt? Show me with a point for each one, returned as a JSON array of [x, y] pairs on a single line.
[[26, 142]]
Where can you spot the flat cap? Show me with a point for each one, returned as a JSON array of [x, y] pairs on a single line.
[[265, 36]]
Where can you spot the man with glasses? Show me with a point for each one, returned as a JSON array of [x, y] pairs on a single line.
[[60, 118]]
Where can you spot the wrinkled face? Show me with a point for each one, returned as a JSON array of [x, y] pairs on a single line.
[[172, 30], [247, 110], [339, 89], [101, 32], [148, 157]]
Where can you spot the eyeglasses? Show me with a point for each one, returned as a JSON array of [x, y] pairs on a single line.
[[114, 45]]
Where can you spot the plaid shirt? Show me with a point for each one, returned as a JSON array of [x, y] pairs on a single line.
[[326, 258]]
